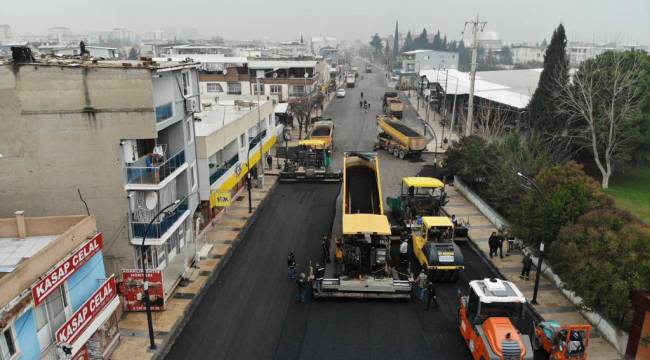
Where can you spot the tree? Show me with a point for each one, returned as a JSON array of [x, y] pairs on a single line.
[[422, 41], [544, 43], [437, 42], [601, 258], [395, 42], [603, 104], [492, 120], [408, 42], [388, 55], [506, 56], [133, 54], [542, 111], [464, 56], [568, 193], [376, 43]]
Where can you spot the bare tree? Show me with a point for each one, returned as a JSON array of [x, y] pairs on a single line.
[[492, 120], [601, 102]]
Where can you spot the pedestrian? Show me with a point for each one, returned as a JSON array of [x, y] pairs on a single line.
[[291, 264], [269, 161], [493, 243], [362, 94], [421, 281], [500, 239], [431, 295], [361, 104], [510, 348], [454, 220], [301, 284], [528, 263], [338, 265], [325, 244]]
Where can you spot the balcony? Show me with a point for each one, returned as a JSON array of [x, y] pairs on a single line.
[[164, 112], [256, 140], [159, 228], [154, 174], [223, 169]]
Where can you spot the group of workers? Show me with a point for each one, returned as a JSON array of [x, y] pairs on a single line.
[[318, 271]]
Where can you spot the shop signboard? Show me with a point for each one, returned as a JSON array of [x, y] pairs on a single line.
[[133, 290]]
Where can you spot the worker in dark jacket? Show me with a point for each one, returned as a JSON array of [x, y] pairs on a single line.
[[493, 242], [528, 263], [326, 250], [291, 264], [431, 295], [301, 285]]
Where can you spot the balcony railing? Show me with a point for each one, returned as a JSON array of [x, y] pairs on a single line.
[[155, 173], [223, 168], [254, 141], [164, 112], [159, 228]]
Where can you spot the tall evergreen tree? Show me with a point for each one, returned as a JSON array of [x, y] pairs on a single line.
[[422, 41], [376, 43], [408, 42], [542, 111], [437, 42], [445, 45], [544, 43], [396, 41]]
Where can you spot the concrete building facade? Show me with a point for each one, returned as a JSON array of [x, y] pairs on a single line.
[[115, 139], [51, 270]]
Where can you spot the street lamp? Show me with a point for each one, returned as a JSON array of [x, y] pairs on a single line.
[[147, 302], [259, 121], [533, 185]]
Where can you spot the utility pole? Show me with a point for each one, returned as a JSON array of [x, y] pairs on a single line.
[[476, 27]]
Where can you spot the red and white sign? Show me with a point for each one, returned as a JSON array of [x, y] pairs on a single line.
[[67, 267], [80, 320], [133, 290]]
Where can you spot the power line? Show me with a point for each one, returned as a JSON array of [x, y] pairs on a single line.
[[476, 27]]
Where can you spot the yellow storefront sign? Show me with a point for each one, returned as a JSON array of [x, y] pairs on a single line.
[[222, 199]]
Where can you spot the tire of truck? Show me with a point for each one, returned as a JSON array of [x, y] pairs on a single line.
[[401, 154], [395, 151]]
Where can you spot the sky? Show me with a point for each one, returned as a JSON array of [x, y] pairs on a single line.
[[515, 20]]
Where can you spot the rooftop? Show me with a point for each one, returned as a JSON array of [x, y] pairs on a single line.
[[13, 250], [76, 61], [217, 116], [418, 51], [204, 58], [281, 64]]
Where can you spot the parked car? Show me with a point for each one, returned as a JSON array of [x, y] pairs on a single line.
[[340, 93]]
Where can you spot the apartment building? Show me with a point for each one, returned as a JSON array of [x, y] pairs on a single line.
[[114, 138], [229, 135], [524, 54], [56, 295]]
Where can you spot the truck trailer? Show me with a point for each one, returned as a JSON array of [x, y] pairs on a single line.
[[363, 266], [399, 139], [350, 79], [392, 104]]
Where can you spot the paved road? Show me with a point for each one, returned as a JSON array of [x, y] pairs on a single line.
[[250, 312]]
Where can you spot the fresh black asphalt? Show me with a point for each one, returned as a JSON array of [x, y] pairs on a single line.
[[250, 311]]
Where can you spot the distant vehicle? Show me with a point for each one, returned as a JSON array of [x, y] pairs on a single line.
[[350, 79], [392, 104], [368, 68], [340, 93]]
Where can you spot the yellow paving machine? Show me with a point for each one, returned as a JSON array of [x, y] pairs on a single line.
[[432, 240]]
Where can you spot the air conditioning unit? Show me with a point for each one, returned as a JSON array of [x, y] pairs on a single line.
[[192, 105], [129, 151]]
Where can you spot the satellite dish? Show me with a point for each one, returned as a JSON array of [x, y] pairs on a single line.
[[306, 75], [151, 200], [275, 75]]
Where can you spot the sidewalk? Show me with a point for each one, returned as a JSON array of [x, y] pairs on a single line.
[[552, 304], [434, 121], [221, 234]]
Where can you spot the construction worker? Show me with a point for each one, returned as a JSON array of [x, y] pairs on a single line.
[[269, 161], [528, 263], [301, 284], [421, 281], [291, 264], [500, 239], [431, 295], [403, 252], [326, 250], [338, 268], [319, 274]]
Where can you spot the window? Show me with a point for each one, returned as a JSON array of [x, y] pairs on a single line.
[[234, 88], [186, 83], [7, 344], [242, 141], [50, 315], [276, 89], [190, 130], [298, 89], [193, 177], [214, 87], [257, 91]]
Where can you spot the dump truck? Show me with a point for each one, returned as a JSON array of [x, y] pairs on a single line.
[[486, 315], [399, 139], [432, 241], [350, 79], [363, 266], [308, 162], [392, 104], [323, 129]]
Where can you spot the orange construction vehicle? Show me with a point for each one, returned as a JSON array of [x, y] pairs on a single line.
[[485, 321], [568, 342]]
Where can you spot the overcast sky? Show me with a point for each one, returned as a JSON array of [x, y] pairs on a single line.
[[515, 20]]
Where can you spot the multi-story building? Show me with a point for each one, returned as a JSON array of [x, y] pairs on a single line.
[[56, 294], [416, 60], [5, 33], [525, 54], [73, 50], [228, 140], [59, 34], [115, 137]]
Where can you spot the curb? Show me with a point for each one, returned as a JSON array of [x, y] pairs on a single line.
[[178, 327]]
